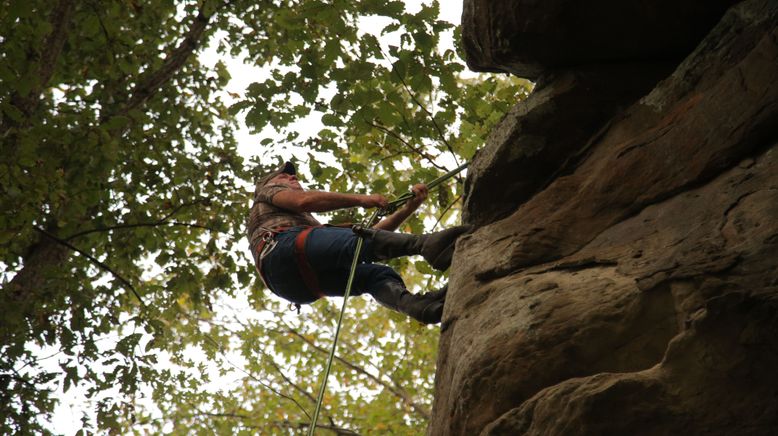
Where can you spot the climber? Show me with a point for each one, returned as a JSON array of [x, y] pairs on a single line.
[[301, 260]]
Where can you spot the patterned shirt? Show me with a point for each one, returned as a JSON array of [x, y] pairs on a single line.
[[265, 215]]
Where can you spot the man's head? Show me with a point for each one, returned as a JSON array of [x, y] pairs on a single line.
[[285, 174]]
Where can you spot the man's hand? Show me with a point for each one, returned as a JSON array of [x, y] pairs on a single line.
[[375, 200], [420, 192]]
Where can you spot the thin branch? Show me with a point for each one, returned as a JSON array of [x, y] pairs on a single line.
[[272, 361], [407, 144], [183, 205], [281, 424], [223, 354], [397, 390], [416, 100], [221, 351], [21, 378], [35, 361], [445, 211], [400, 393], [392, 156], [161, 221], [106, 35], [354, 350], [340, 431], [132, 226], [287, 380], [432, 118], [92, 259], [394, 135]]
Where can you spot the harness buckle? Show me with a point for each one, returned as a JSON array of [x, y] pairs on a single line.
[[269, 243]]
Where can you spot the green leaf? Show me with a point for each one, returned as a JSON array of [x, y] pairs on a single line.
[[388, 115], [12, 112], [331, 120], [17, 9], [128, 343], [117, 122], [158, 191]]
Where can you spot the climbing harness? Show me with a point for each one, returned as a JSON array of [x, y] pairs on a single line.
[[391, 207], [268, 242], [304, 266]]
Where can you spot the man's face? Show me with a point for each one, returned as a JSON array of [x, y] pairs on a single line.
[[286, 180]]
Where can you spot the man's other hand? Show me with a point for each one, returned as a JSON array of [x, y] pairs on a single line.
[[420, 193]]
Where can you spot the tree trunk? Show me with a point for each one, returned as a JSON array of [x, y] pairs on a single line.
[[36, 282]]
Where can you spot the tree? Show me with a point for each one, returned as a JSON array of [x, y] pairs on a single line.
[[124, 196]]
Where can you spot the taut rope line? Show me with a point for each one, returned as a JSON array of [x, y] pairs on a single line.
[[392, 206]]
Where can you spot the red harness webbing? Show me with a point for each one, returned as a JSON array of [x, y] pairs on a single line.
[[303, 266], [306, 271]]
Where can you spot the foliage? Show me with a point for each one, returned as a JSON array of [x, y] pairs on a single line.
[[124, 197]]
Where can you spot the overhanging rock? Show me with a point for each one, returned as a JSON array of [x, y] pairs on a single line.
[[528, 37]]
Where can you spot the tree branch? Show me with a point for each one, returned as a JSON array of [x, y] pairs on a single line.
[[150, 82], [416, 100], [340, 431], [400, 393], [287, 380], [286, 424], [221, 351], [161, 221], [396, 136], [60, 20], [132, 226], [445, 211], [101, 265], [109, 41], [406, 143]]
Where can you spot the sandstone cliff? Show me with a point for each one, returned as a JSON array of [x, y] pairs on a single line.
[[624, 278]]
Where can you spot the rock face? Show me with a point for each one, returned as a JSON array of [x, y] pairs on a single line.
[[625, 278], [529, 37]]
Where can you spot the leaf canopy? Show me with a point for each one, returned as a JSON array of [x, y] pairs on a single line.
[[126, 279]]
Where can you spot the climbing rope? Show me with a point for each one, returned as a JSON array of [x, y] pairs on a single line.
[[391, 207]]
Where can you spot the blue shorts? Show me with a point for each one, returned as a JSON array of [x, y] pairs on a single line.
[[330, 252]]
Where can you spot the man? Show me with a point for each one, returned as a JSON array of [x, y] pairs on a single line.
[[302, 261]]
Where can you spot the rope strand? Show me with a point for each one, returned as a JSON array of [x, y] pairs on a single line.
[[393, 205]]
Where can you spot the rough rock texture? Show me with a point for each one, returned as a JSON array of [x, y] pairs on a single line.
[[529, 37], [547, 133], [629, 282]]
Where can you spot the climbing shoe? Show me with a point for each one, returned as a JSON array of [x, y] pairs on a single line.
[[425, 308], [438, 295], [436, 248]]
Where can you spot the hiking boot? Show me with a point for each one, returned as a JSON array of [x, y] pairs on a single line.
[[436, 248], [421, 307], [437, 295]]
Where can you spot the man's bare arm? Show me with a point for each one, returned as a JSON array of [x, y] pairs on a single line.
[[393, 221], [322, 201]]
